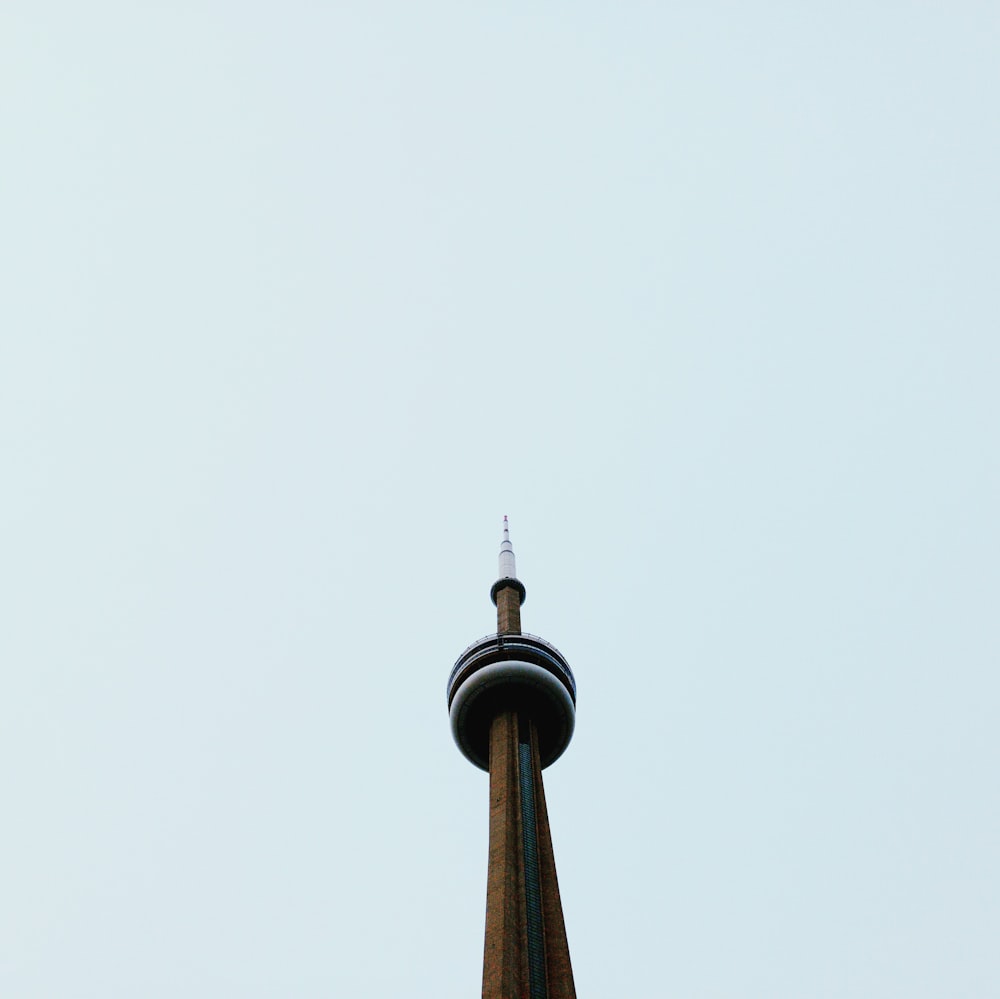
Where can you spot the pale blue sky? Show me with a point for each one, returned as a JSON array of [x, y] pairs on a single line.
[[299, 300]]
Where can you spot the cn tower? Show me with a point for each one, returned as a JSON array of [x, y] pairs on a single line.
[[512, 704]]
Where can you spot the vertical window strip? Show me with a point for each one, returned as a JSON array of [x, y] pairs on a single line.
[[532, 879]]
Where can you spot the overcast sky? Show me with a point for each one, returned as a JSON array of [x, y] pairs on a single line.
[[299, 300]]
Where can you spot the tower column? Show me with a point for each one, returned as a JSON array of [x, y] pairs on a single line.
[[508, 611], [505, 968], [526, 954]]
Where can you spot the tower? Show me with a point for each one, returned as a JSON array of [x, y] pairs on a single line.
[[512, 704]]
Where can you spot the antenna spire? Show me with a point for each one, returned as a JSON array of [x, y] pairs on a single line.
[[507, 570], [508, 591]]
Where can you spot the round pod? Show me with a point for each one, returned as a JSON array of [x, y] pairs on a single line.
[[521, 673]]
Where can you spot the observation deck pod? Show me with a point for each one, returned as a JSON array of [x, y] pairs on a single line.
[[511, 672]]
